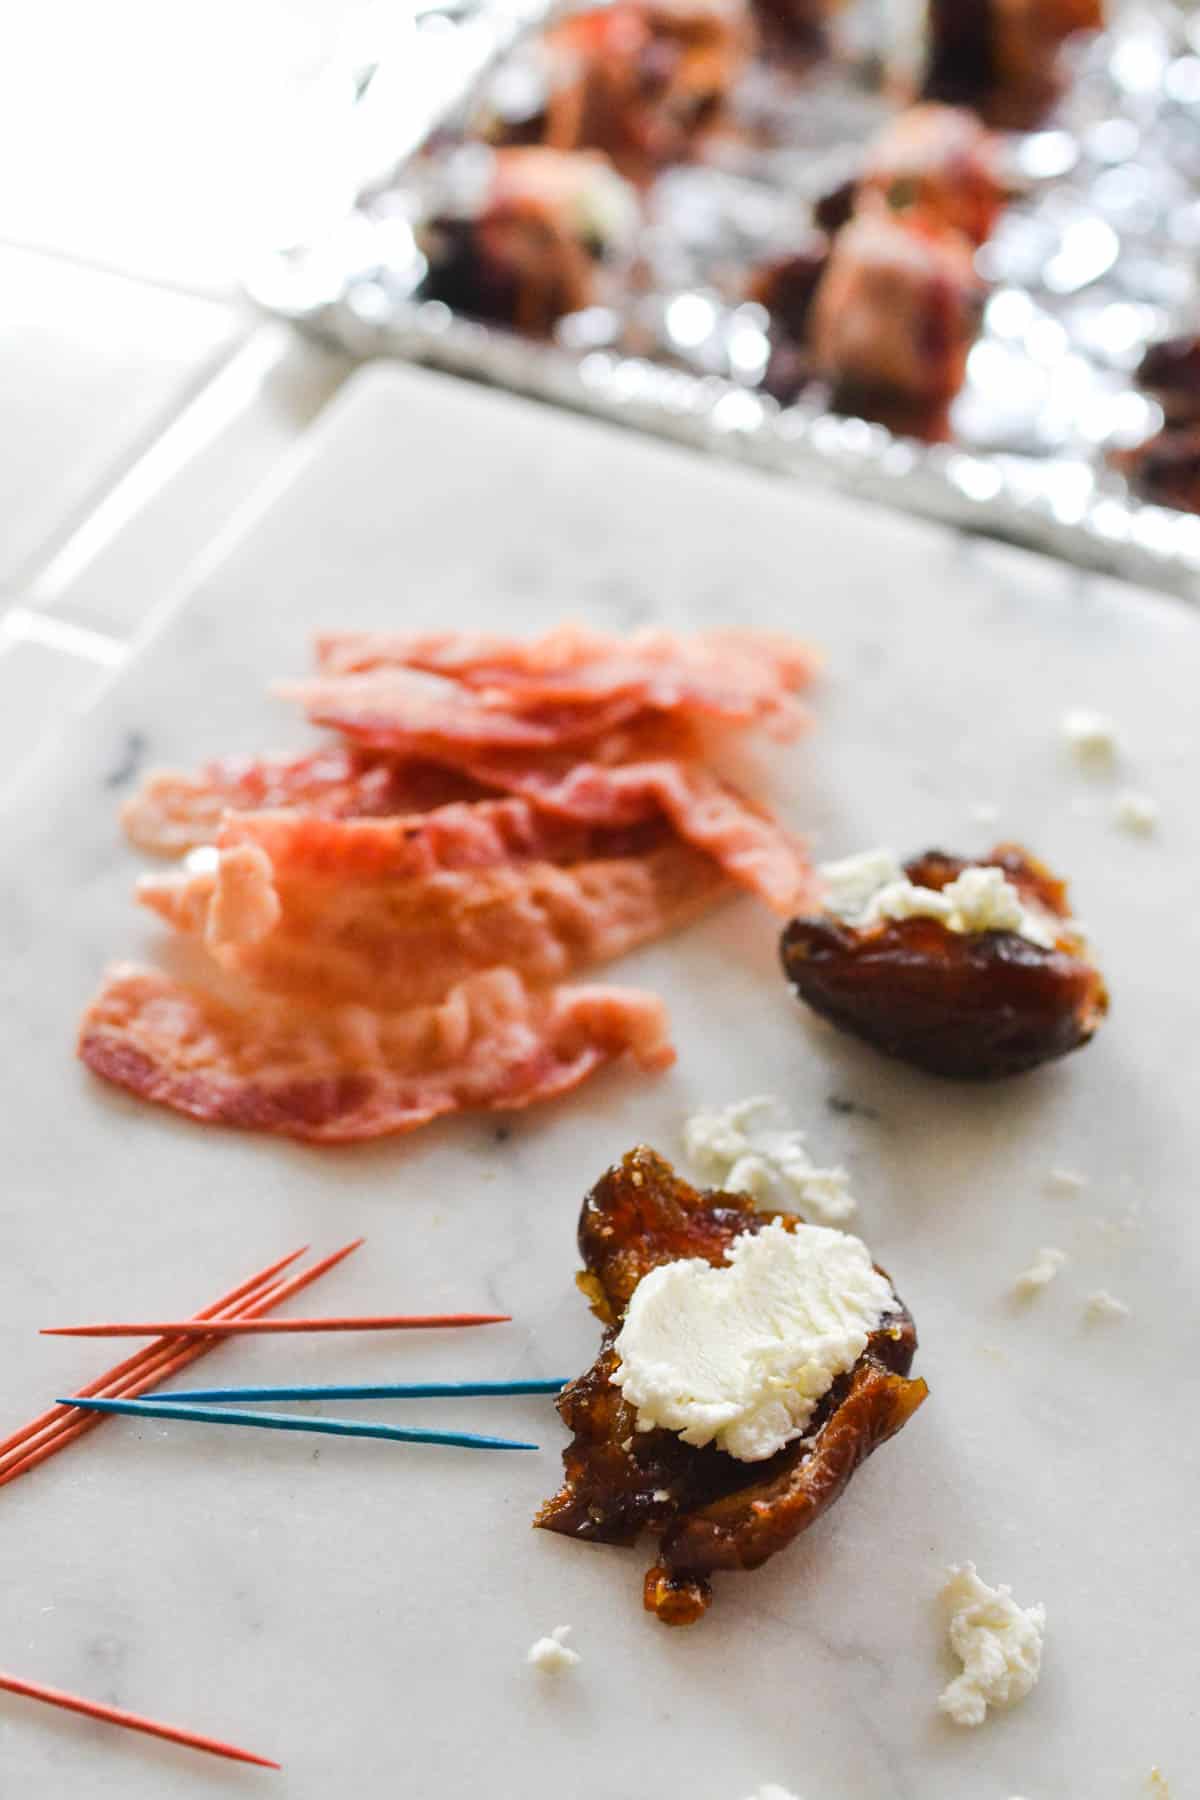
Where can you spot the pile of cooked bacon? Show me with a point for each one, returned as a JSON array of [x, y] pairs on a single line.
[[385, 924]]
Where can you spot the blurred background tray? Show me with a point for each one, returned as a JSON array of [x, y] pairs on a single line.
[[1097, 259]]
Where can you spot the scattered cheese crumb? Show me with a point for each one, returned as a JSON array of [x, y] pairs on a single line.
[[552, 1653], [1136, 813], [771, 1792], [1041, 1272], [998, 1642], [1090, 736], [984, 813], [1102, 1307], [853, 882], [770, 1164], [1067, 1182]]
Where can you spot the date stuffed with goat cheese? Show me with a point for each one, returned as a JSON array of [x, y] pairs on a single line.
[[630, 1466], [968, 970]]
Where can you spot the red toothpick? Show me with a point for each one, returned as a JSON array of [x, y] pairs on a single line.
[[142, 1357], [190, 1328], [161, 1360], [116, 1715], [138, 1374]]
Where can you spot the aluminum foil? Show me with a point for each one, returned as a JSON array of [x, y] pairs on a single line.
[[1099, 256]]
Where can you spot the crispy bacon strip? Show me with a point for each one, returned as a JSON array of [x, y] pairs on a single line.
[[600, 795], [706, 811], [342, 931], [334, 1075], [173, 812], [411, 713], [740, 677], [415, 846], [481, 656]]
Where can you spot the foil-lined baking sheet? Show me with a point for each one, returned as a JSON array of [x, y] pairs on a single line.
[[1098, 256]]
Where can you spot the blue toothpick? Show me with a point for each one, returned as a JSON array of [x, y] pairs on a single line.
[[159, 1409], [401, 1390]]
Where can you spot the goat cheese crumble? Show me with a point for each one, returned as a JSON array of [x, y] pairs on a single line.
[[864, 890], [1104, 1308], [1091, 737], [1136, 813], [998, 1643], [741, 1354], [733, 1150], [553, 1653], [1040, 1273]]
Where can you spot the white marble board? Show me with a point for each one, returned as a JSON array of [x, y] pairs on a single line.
[[363, 1611]]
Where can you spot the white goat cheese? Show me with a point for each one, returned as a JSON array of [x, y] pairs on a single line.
[[852, 883], [998, 1643], [864, 889], [740, 1354], [1104, 1308], [1136, 813], [732, 1150], [553, 1653], [1091, 737], [1040, 1273]]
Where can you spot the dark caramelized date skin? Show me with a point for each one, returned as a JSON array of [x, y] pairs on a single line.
[[961, 67], [1170, 370], [836, 208], [1166, 468], [712, 1511], [796, 27], [548, 276], [1001, 57], [970, 1006], [788, 286]]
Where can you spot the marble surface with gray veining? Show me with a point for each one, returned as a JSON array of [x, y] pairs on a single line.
[[363, 1610]]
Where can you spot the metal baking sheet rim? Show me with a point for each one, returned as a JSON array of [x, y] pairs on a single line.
[[971, 490], [1149, 544]]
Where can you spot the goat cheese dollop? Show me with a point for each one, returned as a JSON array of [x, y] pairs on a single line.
[[864, 890], [998, 1643], [741, 1354], [553, 1653], [733, 1148]]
